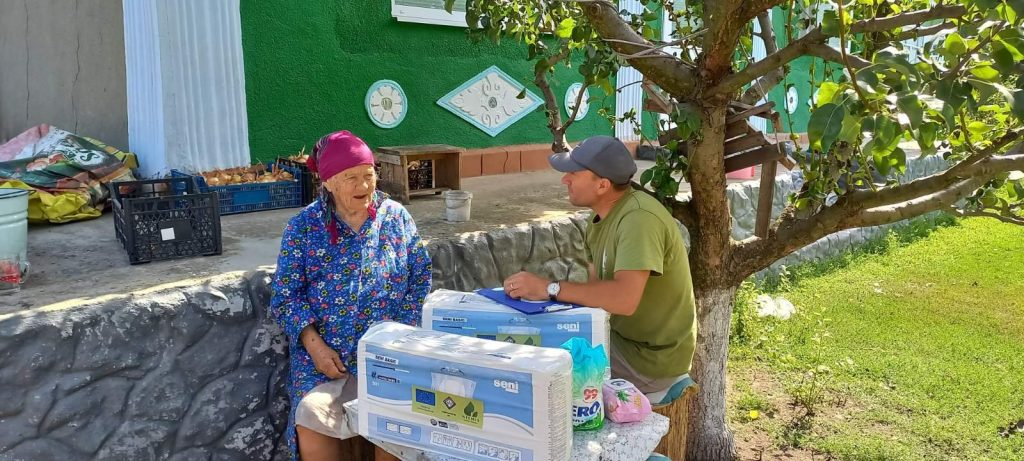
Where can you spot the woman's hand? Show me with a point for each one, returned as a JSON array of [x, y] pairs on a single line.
[[325, 359]]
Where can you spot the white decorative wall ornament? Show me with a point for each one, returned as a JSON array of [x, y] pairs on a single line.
[[386, 103], [570, 100], [792, 99], [489, 101]]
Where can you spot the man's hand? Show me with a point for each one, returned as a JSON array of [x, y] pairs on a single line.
[[325, 359], [525, 285]]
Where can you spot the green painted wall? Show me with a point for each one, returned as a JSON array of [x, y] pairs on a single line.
[[799, 77], [309, 64]]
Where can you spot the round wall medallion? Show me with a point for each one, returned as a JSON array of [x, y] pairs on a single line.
[[792, 99], [570, 100], [386, 103]]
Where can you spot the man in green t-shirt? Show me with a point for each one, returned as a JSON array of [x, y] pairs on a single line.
[[639, 271]]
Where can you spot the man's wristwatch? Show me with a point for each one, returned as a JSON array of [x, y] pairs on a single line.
[[553, 289]]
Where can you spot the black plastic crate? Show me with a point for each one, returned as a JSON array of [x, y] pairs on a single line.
[[169, 218], [310, 180], [245, 198]]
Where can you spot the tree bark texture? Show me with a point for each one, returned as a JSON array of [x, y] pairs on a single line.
[[709, 436]]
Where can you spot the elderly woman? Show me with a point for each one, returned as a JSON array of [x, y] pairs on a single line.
[[351, 258]]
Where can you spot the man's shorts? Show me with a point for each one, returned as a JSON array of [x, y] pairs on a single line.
[[660, 391]]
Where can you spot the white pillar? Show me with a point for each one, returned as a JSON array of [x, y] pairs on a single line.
[[186, 85]]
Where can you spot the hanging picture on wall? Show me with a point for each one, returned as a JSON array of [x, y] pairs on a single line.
[[491, 101], [386, 103], [570, 100]]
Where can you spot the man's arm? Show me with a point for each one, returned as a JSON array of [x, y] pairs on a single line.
[[619, 296]]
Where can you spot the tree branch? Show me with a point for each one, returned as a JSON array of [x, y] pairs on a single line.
[[988, 214], [799, 47], [757, 8], [723, 20], [831, 54], [982, 164], [918, 32], [540, 78], [667, 71], [894, 213], [867, 208]]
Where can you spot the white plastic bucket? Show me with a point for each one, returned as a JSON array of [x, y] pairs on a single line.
[[14, 240], [457, 204]]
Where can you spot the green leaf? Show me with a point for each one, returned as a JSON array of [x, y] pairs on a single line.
[[1017, 5], [824, 126], [850, 129], [646, 176], [449, 5], [926, 136], [1003, 58], [899, 62], [885, 135], [827, 92], [986, 4], [978, 128], [952, 93], [1017, 107], [910, 105], [830, 23], [522, 94], [985, 72], [955, 44], [565, 28]]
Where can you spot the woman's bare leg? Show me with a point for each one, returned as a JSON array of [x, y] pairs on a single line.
[[314, 446]]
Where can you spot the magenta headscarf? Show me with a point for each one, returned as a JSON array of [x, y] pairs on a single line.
[[334, 153], [338, 152]]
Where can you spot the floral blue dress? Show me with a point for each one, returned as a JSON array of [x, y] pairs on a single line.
[[382, 272]]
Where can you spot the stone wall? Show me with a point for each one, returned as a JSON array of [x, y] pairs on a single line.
[[187, 372], [195, 371]]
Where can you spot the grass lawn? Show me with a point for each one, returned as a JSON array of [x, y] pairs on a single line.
[[911, 349]]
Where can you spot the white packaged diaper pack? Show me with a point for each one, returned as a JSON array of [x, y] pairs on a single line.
[[465, 397], [470, 314]]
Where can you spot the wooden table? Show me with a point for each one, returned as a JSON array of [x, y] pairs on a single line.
[[614, 442], [395, 161]]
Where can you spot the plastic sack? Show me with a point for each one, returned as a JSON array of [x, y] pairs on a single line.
[[588, 370], [624, 403]]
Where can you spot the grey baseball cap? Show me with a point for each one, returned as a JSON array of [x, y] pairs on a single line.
[[606, 156]]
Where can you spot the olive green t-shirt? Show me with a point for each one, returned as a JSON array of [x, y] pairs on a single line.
[[639, 234]]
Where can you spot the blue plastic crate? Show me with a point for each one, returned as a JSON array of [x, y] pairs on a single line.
[[245, 198]]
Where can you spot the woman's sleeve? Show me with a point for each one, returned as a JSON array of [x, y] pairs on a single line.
[[289, 305], [419, 268]]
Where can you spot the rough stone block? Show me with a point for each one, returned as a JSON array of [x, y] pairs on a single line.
[[214, 355], [85, 418], [42, 449], [221, 404], [164, 395], [138, 440], [250, 439]]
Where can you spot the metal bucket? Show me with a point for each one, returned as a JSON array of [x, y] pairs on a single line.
[[457, 204], [13, 238]]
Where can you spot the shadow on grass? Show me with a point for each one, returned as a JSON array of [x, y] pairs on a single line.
[[896, 237]]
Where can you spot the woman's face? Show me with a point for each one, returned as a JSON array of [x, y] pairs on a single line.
[[353, 188]]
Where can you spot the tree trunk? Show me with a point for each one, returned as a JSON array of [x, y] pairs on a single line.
[[709, 437]]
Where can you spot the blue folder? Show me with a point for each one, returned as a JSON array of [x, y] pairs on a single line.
[[527, 307]]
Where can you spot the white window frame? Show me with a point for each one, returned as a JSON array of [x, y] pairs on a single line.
[[434, 16]]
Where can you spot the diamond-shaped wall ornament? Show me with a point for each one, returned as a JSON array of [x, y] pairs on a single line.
[[489, 101]]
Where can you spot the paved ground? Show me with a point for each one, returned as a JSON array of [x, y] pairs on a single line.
[[82, 260]]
